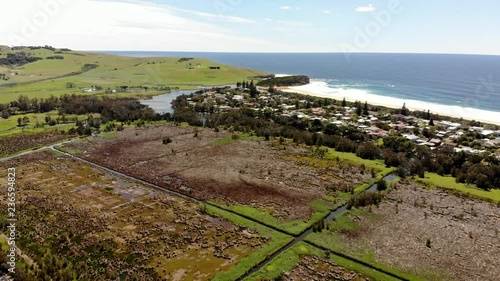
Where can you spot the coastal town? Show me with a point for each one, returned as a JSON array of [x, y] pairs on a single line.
[[422, 128]]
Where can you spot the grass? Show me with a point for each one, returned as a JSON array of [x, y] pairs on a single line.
[[241, 137], [322, 208], [68, 150], [361, 269], [9, 126], [373, 181], [285, 262], [278, 240], [449, 183], [49, 77], [377, 165], [3, 243]]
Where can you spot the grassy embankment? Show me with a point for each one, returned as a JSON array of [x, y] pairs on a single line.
[[286, 262], [450, 184], [278, 240]]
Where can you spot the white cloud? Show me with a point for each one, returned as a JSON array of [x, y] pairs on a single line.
[[114, 25], [289, 8], [368, 8], [327, 12]]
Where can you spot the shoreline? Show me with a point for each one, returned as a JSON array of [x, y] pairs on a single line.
[[313, 89]]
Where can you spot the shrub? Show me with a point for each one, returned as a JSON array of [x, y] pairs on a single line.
[[365, 199], [167, 140], [382, 185]]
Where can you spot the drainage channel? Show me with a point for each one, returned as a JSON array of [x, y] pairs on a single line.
[[300, 238], [334, 214]]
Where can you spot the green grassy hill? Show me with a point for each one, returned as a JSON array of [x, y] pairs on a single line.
[[50, 76]]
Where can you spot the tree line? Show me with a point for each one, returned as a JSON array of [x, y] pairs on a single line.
[[410, 159], [20, 58]]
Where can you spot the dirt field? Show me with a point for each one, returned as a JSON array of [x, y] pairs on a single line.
[[107, 227], [429, 233], [15, 143], [257, 173], [315, 268]]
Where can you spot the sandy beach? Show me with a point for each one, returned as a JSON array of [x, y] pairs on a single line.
[[321, 89]]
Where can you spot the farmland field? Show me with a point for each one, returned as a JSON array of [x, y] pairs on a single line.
[[281, 185], [102, 226], [46, 77]]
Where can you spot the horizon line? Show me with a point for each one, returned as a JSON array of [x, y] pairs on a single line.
[[284, 52]]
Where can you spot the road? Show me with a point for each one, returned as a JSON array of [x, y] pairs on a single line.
[[35, 150], [19, 253]]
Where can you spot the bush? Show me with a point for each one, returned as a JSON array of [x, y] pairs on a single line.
[[167, 140], [235, 136], [382, 185], [365, 199]]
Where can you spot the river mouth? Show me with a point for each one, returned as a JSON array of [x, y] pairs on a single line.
[[163, 103]]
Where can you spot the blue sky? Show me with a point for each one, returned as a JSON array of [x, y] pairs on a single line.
[[409, 26]]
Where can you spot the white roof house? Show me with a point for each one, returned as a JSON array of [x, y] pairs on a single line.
[[487, 133], [412, 137]]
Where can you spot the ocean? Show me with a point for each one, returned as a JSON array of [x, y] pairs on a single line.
[[465, 86]]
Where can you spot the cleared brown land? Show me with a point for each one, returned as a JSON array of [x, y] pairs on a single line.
[[464, 234], [316, 268], [103, 226], [15, 143], [256, 173]]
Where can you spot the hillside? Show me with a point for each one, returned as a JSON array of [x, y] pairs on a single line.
[[59, 72]]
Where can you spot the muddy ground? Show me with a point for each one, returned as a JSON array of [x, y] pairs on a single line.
[[314, 268], [96, 220], [257, 173], [423, 230]]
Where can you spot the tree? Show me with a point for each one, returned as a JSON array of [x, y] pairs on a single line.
[[331, 129], [431, 122], [344, 103], [253, 91], [365, 109], [404, 110], [359, 110]]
